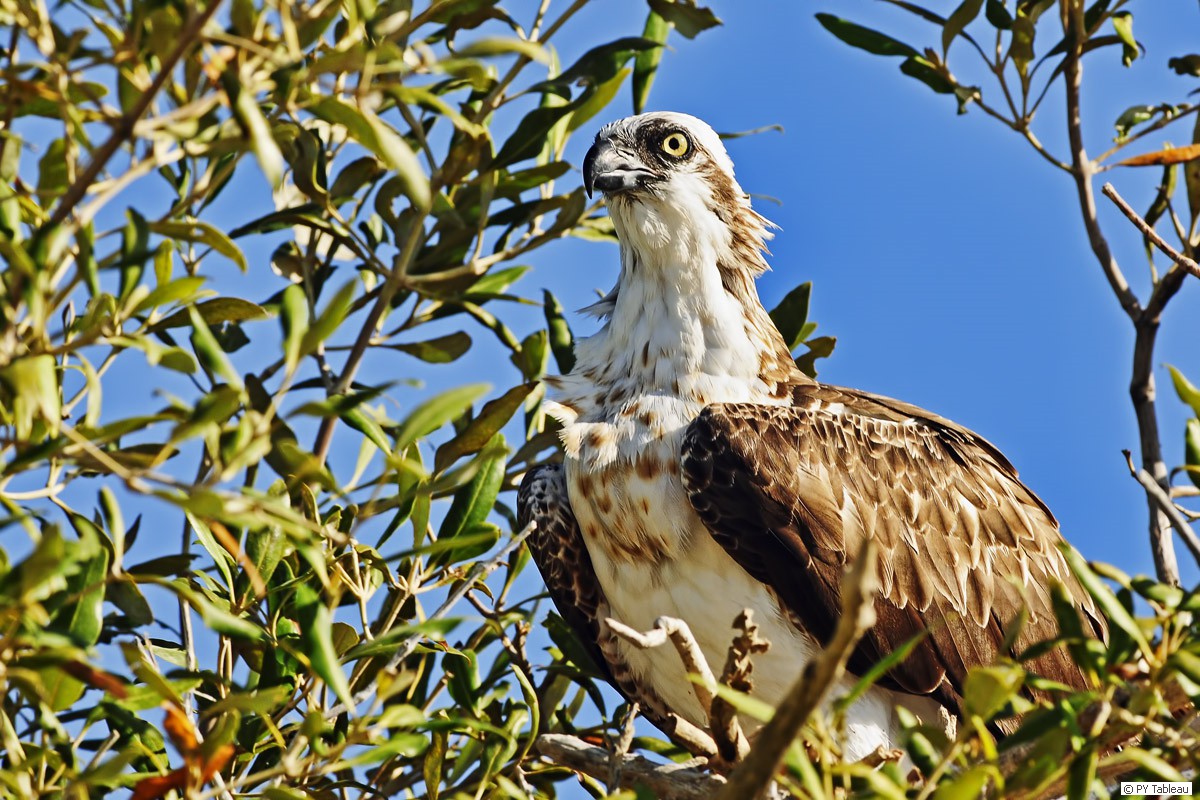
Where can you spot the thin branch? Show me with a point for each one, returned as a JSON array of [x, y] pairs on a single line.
[[617, 758], [859, 588], [727, 736], [1178, 521], [1082, 170], [680, 635], [125, 124], [665, 781], [391, 285], [1151, 234], [739, 666], [1141, 384], [404, 649]]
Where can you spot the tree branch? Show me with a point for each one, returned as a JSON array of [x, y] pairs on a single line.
[[1178, 521], [123, 128], [1082, 169], [667, 781], [481, 570], [1141, 385], [755, 774], [1151, 234]]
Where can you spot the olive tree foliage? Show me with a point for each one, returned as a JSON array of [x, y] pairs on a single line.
[[284, 575]]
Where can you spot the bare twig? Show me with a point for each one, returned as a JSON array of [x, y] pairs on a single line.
[[666, 781], [405, 648], [1178, 521], [1151, 234], [616, 759], [680, 635], [858, 614], [731, 742]]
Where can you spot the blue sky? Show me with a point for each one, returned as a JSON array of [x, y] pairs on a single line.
[[947, 257]]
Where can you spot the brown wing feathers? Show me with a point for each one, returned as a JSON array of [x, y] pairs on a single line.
[[791, 493]]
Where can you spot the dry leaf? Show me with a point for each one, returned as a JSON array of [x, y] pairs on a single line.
[[1172, 155]]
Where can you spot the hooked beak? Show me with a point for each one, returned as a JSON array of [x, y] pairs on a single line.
[[608, 169]]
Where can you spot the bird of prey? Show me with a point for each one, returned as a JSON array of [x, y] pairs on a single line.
[[704, 473]]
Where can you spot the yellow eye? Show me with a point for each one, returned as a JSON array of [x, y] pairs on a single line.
[[675, 144]]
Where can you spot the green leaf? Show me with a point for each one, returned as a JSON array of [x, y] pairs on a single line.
[[504, 45], [1186, 65], [1131, 117], [1147, 761], [180, 290], [1191, 177], [594, 68], [361, 421], [645, 66], [1020, 50], [214, 312], [84, 618], [987, 690], [960, 18], [597, 101], [1116, 613], [791, 314], [927, 73], [562, 341], [52, 173], [294, 317], [329, 320], [529, 137], [1187, 392], [688, 18], [442, 350], [379, 137], [316, 632], [1191, 450], [879, 44], [820, 347], [473, 502], [211, 356], [436, 412], [998, 15], [967, 785], [30, 395], [494, 415], [200, 232], [266, 151], [1122, 23]]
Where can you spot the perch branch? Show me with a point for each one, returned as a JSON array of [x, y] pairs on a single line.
[[1151, 234], [736, 675], [730, 743], [755, 774], [680, 635], [666, 781]]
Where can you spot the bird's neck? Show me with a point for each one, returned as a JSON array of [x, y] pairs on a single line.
[[686, 322]]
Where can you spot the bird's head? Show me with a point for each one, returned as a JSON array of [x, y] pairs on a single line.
[[671, 191]]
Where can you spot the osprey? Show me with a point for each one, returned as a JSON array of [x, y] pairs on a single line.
[[704, 473]]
